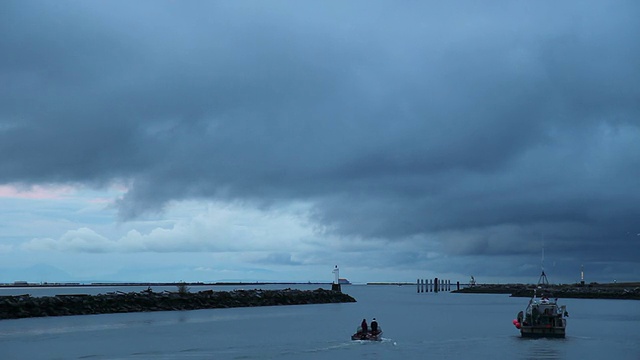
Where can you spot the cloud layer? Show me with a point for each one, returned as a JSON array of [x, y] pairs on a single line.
[[474, 131]]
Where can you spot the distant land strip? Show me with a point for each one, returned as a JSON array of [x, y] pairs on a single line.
[[230, 283], [26, 306], [400, 283], [623, 291]]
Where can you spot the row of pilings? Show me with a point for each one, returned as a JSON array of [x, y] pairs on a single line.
[[435, 285]]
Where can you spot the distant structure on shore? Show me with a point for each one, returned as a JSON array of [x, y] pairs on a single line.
[[343, 281]]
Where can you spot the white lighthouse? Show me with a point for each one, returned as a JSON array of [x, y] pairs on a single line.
[[336, 279]]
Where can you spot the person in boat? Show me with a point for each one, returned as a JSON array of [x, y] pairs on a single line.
[[363, 326], [374, 326], [535, 315]]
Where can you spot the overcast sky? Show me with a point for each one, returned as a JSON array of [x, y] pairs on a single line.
[[272, 140]]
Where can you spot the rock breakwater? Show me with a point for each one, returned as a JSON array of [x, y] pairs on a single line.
[[25, 306], [626, 291]]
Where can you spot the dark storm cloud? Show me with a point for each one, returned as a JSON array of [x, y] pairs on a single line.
[[491, 125]]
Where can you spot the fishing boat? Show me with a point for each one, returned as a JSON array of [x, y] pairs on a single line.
[[543, 318]]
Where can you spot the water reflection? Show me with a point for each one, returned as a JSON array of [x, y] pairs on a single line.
[[544, 349]]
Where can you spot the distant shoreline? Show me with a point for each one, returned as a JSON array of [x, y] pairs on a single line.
[[624, 290], [400, 283], [102, 284]]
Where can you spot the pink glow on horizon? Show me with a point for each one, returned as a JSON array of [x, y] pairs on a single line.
[[36, 192], [60, 192]]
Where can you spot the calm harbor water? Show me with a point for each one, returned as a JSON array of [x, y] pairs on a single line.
[[425, 325]]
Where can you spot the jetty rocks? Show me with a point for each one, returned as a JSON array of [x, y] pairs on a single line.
[[626, 291], [25, 306]]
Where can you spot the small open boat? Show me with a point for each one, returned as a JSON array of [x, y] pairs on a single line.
[[360, 335]]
